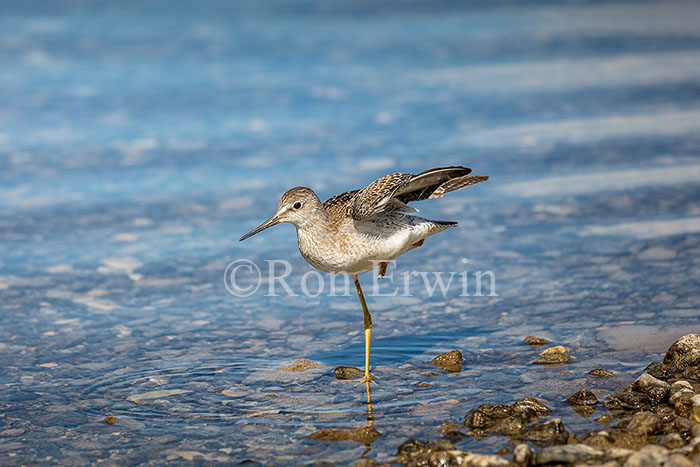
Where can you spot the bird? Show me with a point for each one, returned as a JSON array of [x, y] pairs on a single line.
[[361, 230]]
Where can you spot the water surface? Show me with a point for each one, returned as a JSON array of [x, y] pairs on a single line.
[[140, 141]]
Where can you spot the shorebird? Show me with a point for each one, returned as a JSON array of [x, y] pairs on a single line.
[[361, 230]]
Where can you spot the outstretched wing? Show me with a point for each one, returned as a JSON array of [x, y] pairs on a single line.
[[376, 197], [434, 183], [393, 191]]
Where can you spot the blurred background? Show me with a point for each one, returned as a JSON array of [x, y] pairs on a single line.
[[140, 140]]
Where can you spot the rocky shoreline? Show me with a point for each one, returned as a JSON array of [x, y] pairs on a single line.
[[653, 422]]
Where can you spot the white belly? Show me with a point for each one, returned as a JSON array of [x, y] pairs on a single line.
[[361, 246]]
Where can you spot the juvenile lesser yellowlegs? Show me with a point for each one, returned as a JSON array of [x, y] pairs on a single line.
[[360, 230]]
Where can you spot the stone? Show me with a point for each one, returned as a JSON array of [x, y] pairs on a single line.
[[365, 434], [440, 453], [627, 401], [644, 424], [450, 361], [684, 404], [601, 373], [684, 353], [671, 441], [110, 420], [347, 372], [583, 397], [511, 421], [569, 454], [536, 341], [522, 455], [649, 456], [548, 433], [557, 355], [301, 364], [656, 389], [660, 371]]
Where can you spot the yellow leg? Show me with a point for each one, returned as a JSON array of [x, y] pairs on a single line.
[[382, 270], [368, 325]]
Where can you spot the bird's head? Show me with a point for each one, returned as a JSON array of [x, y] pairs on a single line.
[[298, 206]]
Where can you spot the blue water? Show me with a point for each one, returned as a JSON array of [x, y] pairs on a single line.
[[138, 142]]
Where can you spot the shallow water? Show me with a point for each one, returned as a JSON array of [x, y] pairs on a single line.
[[139, 142]]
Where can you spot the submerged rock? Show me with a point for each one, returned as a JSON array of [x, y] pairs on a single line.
[[536, 341], [347, 372], [110, 420], [301, 364], [554, 356], [601, 373], [450, 361], [365, 434]]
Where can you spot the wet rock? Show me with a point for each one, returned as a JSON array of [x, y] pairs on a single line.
[[110, 420], [487, 414], [547, 434], [622, 401], [440, 453], [301, 364], [684, 353], [601, 373], [452, 432], [554, 356], [569, 454], [679, 389], [656, 389], [347, 372], [522, 455], [365, 434], [684, 404], [644, 424], [536, 341], [450, 361], [583, 397], [530, 407], [660, 371], [506, 420]]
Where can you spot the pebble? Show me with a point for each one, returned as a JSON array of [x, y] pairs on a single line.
[[554, 356], [601, 373], [450, 361], [536, 341]]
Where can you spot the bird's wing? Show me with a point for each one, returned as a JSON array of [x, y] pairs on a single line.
[[340, 205], [393, 191], [376, 197], [434, 183]]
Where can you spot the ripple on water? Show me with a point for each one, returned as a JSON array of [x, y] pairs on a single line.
[[262, 393]]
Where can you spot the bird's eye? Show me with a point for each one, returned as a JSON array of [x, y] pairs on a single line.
[[297, 205]]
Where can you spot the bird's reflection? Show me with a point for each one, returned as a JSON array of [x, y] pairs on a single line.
[[365, 434]]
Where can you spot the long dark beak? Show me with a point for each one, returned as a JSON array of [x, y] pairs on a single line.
[[268, 223]]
